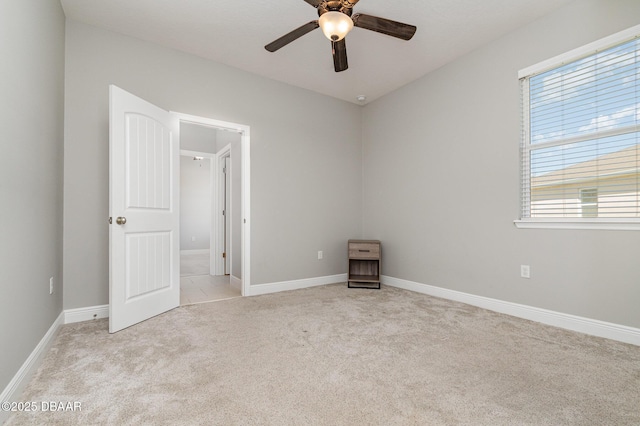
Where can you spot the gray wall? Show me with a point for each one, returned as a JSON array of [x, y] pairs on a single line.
[[198, 138], [31, 124], [225, 137], [195, 203], [305, 176], [442, 181]]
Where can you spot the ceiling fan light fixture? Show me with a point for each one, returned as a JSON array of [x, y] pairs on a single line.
[[335, 25]]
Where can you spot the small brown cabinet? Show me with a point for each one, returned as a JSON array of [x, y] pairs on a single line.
[[364, 264]]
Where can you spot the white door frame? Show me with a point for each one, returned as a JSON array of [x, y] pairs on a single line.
[[245, 201], [220, 219]]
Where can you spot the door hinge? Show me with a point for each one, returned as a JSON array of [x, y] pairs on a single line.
[[110, 220], [224, 255]]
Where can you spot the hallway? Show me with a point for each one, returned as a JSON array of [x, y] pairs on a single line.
[[197, 286]]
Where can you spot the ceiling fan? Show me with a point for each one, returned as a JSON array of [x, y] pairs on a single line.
[[336, 20]]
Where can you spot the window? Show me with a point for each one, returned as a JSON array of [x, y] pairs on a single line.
[[589, 202], [581, 135]]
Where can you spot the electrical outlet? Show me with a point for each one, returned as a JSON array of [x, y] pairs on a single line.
[[51, 285], [320, 255], [525, 271], [193, 238]]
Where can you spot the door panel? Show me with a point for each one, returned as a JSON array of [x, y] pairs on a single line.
[[148, 260], [148, 172], [143, 189]]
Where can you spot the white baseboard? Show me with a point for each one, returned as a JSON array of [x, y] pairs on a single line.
[[16, 385], [589, 326], [258, 289], [199, 251], [86, 314], [102, 311], [236, 283]]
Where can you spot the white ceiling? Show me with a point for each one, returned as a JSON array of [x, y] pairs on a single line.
[[235, 32]]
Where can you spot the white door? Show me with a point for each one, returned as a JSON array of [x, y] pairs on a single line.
[[144, 158], [227, 215]]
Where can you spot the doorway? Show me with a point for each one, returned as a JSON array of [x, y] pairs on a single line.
[[210, 213], [144, 207]]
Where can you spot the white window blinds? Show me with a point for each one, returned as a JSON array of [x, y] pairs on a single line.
[[581, 137]]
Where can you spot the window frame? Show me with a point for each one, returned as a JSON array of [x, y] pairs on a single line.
[[528, 222]]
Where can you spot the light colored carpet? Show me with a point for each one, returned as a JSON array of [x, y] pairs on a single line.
[[335, 356]]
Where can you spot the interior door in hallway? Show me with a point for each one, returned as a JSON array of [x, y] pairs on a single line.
[[227, 215], [144, 257]]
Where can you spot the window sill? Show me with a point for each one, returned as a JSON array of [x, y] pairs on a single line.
[[559, 223]]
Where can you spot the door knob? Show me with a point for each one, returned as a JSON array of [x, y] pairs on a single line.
[[121, 220]]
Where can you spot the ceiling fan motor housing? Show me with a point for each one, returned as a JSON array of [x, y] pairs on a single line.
[[343, 6]]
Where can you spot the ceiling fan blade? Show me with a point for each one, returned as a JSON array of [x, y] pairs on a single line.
[[339, 50], [293, 35], [314, 3], [384, 26]]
